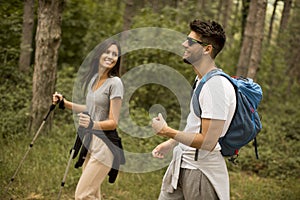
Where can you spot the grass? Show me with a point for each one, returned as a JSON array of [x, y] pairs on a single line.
[[42, 172]]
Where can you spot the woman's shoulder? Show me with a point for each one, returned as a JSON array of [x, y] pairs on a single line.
[[115, 80]]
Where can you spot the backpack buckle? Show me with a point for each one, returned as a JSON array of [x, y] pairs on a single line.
[[233, 159]]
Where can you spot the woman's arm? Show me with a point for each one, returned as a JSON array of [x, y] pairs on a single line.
[[114, 112], [68, 104], [74, 106]]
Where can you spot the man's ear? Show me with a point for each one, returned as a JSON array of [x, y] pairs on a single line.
[[208, 49]]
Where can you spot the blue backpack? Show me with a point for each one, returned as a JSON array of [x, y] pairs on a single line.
[[246, 123]]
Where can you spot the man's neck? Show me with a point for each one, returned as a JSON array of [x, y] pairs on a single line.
[[203, 68]]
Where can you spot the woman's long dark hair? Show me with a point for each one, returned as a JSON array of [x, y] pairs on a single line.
[[93, 67]]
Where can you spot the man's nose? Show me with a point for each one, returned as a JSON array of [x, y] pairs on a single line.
[[185, 43]]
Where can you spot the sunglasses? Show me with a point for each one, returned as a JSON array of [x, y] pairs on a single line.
[[192, 41]]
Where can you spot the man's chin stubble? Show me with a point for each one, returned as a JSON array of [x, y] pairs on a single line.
[[186, 61]]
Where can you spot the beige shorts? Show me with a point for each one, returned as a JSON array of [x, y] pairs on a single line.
[[100, 151]]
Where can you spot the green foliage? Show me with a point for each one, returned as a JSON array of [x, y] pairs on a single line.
[[64, 85], [251, 186], [167, 18], [85, 24], [42, 170], [74, 28], [10, 32], [105, 20], [15, 95]]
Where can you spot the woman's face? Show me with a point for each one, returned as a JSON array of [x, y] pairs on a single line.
[[109, 58]]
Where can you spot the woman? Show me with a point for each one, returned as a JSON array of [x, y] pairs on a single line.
[[104, 93]]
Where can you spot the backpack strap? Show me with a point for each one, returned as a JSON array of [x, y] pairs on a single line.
[[255, 147], [195, 97]]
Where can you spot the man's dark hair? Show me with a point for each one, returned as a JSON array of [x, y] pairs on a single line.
[[210, 32]]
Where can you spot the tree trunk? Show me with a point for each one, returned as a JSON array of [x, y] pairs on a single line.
[[272, 22], [293, 47], [128, 14], [48, 38], [285, 15], [219, 8], [27, 32], [244, 58], [227, 11], [201, 5], [258, 39], [235, 19], [245, 13], [127, 21]]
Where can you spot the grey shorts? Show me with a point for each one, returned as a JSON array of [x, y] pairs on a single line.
[[192, 185]]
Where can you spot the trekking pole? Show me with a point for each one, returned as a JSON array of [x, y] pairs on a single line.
[[74, 151], [66, 172], [30, 146], [68, 166]]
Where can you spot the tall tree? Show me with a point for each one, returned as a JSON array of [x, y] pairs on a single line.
[[219, 8], [293, 47], [131, 7], [285, 15], [236, 11], [247, 41], [48, 38], [272, 21], [128, 14], [127, 21], [255, 56], [245, 12], [27, 33], [226, 13]]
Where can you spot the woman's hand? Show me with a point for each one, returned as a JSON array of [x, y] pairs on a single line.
[[85, 120], [56, 98]]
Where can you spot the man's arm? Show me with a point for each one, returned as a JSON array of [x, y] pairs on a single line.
[[207, 140], [164, 148]]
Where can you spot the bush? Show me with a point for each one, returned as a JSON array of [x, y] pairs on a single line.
[[15, 94]]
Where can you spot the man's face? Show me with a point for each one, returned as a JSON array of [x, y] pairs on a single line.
[[193, 49]]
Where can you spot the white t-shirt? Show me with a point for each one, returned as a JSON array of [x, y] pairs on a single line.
[[217, 101]]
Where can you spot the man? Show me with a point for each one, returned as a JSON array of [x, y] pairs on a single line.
[[204, 176]]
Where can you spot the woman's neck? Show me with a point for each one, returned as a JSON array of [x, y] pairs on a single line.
[[103, 73]]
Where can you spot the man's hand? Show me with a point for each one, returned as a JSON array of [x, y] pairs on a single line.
[[162, 149], [159, 125]]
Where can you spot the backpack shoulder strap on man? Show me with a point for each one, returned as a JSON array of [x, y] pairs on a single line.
[[195, 97]]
